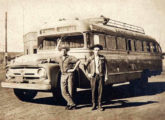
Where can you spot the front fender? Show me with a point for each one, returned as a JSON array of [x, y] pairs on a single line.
[[53, 74]]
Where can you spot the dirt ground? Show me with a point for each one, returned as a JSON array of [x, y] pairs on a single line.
[[119, 105]]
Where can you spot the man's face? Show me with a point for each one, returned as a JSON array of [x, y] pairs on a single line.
[[64, 52], [96, 50]]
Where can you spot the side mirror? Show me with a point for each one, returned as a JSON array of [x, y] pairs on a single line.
[[163, 54]]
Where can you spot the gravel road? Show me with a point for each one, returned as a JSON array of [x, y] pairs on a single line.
[[119, 105]]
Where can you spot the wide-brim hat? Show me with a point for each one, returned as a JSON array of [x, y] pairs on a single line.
[[96, 46], [66, 48]]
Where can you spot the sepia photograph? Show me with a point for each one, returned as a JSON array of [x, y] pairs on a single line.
[[82, 60]]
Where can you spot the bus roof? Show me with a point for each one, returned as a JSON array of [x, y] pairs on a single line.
[[94, 24]]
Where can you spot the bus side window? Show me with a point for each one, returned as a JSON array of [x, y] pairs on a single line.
[[135, 44], [110, 42], [148, 47], [131, 45], [138, 45], [90, 40], [99, 39], [154, 47], [121, 43], [145, 46], [151, 47], [158, 48], [96, 39], [102, 40], [142, 45]]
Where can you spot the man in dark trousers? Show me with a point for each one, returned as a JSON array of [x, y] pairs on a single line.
[[97, 72], [66, 66]]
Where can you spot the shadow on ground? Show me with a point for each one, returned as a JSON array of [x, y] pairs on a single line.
[[110, 97]]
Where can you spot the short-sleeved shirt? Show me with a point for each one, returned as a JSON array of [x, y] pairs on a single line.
[[66, 63]]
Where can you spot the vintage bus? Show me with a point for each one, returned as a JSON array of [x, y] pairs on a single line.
[[131, 55]]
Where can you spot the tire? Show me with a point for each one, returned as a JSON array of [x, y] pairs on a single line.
[[57, 96], [25, 95], [108, 92], [139, 86]]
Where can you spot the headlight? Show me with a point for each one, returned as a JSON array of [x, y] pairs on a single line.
[[41, 72]]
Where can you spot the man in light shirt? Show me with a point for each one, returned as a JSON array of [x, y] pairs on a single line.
[[97, 74], [66, 66]]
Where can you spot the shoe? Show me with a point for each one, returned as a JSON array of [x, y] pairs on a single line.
[[93, 107], [72, 107], [67, 107], [100, 108]]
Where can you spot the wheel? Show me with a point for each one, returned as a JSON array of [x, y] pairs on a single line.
[[108, 92], [57, 96], [25, 95], [139, 86]]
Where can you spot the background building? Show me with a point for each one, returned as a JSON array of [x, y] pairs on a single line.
[[30, 43]]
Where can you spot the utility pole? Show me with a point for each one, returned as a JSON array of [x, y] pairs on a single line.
[[5, 57]]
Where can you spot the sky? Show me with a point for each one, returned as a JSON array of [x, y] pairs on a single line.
[[29, 15]]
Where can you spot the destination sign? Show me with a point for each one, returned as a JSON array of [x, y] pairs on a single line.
[[58, 29], [66, 28], [45, 31]]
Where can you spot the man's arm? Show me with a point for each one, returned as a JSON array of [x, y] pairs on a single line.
[[86, 65], [75, 67], [87, 62], [56, 59], [106, 70], [73, 59], [58, 43]]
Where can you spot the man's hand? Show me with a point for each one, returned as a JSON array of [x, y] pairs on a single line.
[[90, 75], [70, 70], [84, 66], [106, 79]]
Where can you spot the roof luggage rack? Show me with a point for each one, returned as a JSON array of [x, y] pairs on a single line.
[[122, 25]]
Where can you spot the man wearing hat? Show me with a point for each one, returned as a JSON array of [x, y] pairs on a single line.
[[66, 66], [97, 73]]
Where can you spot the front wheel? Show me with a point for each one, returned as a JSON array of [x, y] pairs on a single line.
[[58, 96], [25, 95]]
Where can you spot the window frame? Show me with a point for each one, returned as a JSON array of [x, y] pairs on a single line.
[[119, 43], [114, 38]]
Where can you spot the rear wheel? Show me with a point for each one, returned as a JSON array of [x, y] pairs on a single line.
[[108, 92], [25, 95], [139, 86]]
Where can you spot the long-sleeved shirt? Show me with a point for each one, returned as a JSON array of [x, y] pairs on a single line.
[[98, 68], [65, 62]]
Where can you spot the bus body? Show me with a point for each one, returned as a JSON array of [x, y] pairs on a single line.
[[131, 55]]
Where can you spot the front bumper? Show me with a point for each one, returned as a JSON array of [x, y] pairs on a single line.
[[26, 86]]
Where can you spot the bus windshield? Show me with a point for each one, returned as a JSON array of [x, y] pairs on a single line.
[[46, 43]]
